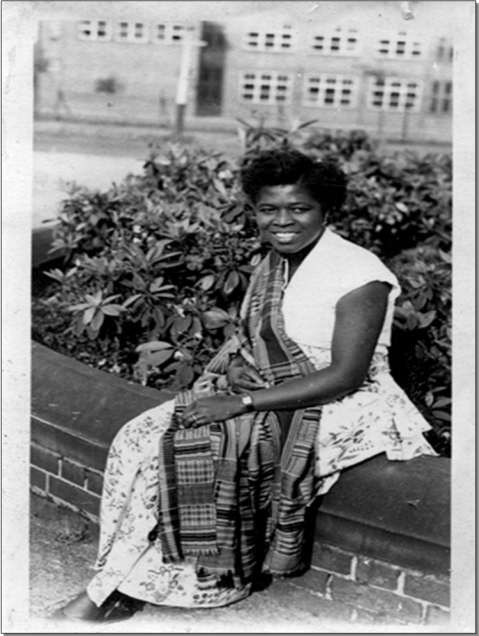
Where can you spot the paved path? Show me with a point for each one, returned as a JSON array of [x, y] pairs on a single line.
[[52, 170], [63, 546], [95, 156]]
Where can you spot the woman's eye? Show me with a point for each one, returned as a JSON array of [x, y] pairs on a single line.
[[266, 210], [300, 209]]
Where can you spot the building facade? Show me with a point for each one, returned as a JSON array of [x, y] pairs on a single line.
[[343, 64]]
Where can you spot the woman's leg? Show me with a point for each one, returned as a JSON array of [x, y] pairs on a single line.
[[131, 469], [132, 458]]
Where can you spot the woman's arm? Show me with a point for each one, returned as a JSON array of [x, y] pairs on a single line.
[[358, 323]]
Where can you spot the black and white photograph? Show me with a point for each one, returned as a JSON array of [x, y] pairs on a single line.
[[238, 345]]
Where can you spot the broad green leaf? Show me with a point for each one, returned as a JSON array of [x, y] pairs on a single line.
[[207, 282], [131, 300], [154, 345], [231, 282], [157, 358], [112, 310], [78, 307], [88, 315], [97, 321], [215, 318]]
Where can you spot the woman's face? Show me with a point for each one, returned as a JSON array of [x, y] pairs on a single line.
[[288, 217]]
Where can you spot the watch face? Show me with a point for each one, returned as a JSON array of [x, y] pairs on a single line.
[[247, 400]]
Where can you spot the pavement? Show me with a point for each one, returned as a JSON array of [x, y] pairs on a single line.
[[95, 156], [63, 548]]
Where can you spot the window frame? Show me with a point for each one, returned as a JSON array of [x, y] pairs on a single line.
[[338, 86], [93, 37], [441, 97], [280, 33], [256, 91], [410, 43], [341, 32], [403, 91], [131, 32], [169, 29]]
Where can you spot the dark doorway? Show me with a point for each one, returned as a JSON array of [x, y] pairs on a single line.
[[209, 93]]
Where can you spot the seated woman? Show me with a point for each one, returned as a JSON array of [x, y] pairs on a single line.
[[204, 492]]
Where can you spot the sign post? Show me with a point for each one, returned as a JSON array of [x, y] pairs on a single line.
[[183, 80]]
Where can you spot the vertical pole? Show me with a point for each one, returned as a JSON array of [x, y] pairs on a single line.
[[405, 123], [182, 86]]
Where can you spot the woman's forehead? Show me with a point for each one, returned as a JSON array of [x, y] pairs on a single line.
[[290, 192]]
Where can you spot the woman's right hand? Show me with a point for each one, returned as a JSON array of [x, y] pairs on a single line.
[[243, 377]]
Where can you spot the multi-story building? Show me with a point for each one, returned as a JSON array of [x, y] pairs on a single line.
[[344, 64]]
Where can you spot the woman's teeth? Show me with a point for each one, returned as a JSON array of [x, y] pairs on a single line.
[[284, 237]]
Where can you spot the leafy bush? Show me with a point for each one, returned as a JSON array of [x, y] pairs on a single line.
[[156, 267]]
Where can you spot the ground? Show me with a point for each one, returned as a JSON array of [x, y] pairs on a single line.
[[63, 547]]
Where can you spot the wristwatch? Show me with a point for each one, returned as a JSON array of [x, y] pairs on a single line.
[[247, 402]]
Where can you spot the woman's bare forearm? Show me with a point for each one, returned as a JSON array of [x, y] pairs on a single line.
[[316, 388]]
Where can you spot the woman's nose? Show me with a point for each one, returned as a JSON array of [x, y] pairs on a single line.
[[283, 217]]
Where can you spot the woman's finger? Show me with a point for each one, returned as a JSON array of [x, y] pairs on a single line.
[[253, 375]]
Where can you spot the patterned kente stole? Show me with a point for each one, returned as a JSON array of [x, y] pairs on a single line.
[[232, 493]]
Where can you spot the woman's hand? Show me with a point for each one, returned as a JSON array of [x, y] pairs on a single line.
[[212, 409], [243, 377]]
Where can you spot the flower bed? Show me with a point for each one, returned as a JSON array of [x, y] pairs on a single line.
[[155, 268]]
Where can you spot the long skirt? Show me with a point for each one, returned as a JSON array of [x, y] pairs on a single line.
[[377, 418]]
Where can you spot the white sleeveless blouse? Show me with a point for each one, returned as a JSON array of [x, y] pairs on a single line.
[[333, 268]]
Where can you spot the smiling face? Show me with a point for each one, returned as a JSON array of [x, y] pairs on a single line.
[[288, 217]]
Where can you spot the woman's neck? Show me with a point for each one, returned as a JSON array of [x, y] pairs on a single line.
[[295, 260]]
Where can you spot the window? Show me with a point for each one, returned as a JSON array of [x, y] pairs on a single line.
[[265, 87], [441, 97], [99, 30], [341, 41], [444, 50], [270, 39], [330, 91], [131, 32], [401, 46], [394, 94], [170, 33]]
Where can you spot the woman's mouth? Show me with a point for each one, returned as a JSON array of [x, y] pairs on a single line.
[[285, 237]]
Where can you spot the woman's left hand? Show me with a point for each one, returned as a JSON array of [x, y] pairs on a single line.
[[211, 409]]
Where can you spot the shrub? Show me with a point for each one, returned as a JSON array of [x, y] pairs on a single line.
[[156, 267]]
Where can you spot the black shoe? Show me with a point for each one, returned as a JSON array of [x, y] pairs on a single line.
[[117, 607]]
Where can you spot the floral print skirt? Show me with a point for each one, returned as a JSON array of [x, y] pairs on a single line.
[[377, 418]]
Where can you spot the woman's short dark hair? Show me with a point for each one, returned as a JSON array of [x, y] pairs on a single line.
[[324, 181]]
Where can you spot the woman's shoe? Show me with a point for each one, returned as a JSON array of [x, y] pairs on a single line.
[[117, 607]]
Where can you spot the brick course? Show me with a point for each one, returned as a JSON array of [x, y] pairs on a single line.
[[94, 481], [38, 478], [332, 559], [428, 588], [44, 458], [314, 579], [66, 444], [376, 600], [75, 496], [74, 472], [378, 574], [437, 616]]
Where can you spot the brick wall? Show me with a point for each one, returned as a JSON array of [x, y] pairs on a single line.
[[376, 591], [66, 481], [369, 589]]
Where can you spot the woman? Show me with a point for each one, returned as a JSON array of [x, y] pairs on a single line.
[[204, 492]]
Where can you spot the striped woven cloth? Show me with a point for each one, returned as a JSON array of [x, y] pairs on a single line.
[[235, 493]]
